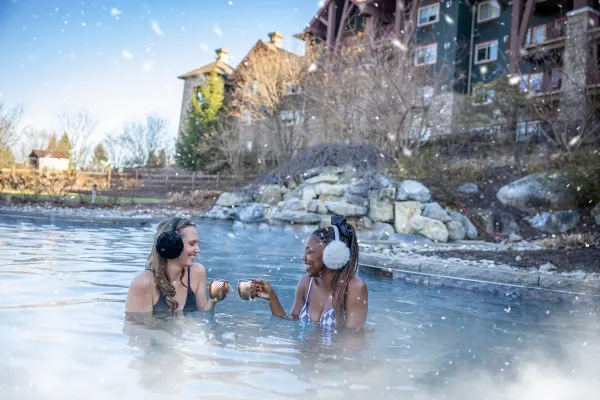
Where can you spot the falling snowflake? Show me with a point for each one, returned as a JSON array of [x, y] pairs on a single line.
[[218, 31], [156, 28], [127, 54]]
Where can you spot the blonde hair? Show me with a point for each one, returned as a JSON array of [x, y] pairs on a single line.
[[158, 265]]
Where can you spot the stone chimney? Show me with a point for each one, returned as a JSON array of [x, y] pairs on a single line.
[[222, 55], [276, 38]]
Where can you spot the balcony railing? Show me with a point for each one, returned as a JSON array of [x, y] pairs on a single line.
[[540, 34]]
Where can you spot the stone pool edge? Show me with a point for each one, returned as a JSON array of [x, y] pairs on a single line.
[[141, 220], [430, 272]]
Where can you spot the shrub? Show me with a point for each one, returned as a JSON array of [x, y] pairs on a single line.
[[583, 167], [363, 157], [197, 199], [571, 240]]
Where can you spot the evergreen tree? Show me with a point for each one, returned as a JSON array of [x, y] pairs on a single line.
[[65, 145], [162, 158], [53, 143], [7, 159], [193, 147], [100, 158]]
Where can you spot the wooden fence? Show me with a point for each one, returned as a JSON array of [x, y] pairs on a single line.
[[147, 181]]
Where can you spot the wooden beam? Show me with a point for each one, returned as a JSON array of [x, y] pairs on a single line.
[[525, 21], [368, 9], [399, 18], [345, 13], [515, 19], [323, 21], [330, 25]]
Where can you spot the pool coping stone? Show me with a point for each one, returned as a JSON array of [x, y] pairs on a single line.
[[433, 272]]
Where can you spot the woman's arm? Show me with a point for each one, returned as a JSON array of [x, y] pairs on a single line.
[[202, 304], [139, 296], [265, 291], [357, 303]]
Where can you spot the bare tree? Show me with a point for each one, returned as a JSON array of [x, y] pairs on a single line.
[[564, 96], [79, 127], [31, 139], [138, 144], [380, 91], [267, 91], [9, 121]]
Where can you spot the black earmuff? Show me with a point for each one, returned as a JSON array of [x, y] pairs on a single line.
[[169, 245]]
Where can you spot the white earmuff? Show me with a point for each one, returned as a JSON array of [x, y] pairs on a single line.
[[336, 254]]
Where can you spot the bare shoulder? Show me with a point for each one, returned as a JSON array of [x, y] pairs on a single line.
[[143, 282], [198, 270], [357, 286], [304, 280]]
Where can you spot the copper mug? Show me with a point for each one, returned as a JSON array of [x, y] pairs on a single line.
[[246, 289], [218, 289]]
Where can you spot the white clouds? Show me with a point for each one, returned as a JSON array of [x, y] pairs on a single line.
[[156, 28], [148, 66], [127, 54], [218, 31]]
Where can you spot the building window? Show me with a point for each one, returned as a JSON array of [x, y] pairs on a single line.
[[556, 79], [482, 95], [486, 52], [249, 145], [255, 88], [289, 118], [421, 133], [426, 94], [426, 55], [429, 15], [536, 35], [246, 117], [531, 82], [527, 131], [487, 11]]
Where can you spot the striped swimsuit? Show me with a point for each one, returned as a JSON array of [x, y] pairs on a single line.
[[327, 319]]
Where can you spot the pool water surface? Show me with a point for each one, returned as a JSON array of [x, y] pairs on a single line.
[[64, 335]]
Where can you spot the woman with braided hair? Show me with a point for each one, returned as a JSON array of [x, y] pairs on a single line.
[[329, 293], [160, 288]]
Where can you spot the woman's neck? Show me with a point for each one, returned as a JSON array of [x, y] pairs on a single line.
[[175, 271], [326, 279]]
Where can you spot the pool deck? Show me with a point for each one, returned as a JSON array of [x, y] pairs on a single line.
[[99, 216], [433, 272]]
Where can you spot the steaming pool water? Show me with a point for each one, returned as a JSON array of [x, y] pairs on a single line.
[[64, 335]]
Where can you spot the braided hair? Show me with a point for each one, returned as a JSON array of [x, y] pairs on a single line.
[[344, 275]]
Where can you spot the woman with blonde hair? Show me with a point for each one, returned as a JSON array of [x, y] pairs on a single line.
[[171, 282]]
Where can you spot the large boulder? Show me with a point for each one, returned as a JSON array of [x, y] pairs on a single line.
[[538, 191], [316, 206], [359, 201], [468, 188], [218, 212], [252, 213], [596, 214], [555, 222], [326, 189], [381, 205], [269, 194], [296, 217], [430, 228], [498, 222], [358, 188], [456, 230], [294, 204], [435, 211], [345, 209], [231, 199], [324, 178], [382, 231], [404, 211], [402, 237], [470, 229], [308, 193], [412, 190]]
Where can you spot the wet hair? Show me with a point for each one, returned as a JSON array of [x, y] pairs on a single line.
[[158, 265], [344, 275]]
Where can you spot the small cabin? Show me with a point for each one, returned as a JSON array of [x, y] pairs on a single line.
[[57, 160]]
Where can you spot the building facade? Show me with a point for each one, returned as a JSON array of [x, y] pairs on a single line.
[[544, 46]]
